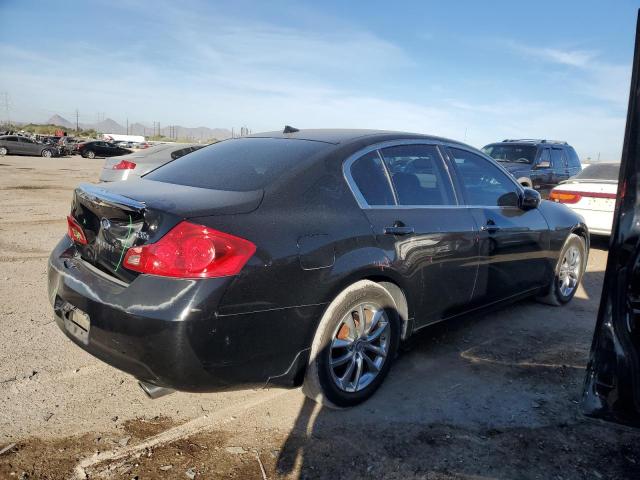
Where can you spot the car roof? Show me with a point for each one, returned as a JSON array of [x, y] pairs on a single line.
[[530, 141], [343, 136]]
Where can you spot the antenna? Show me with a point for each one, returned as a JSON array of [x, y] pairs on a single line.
[[289, 129]]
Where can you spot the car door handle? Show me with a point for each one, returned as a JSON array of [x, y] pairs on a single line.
[[490, 228], [398, 230]]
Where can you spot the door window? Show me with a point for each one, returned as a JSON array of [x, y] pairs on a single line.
[[418, 175], [545, 159], [484, 183], [371, 180]]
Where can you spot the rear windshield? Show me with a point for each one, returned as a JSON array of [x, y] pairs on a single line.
[[242, 164], [511, 153], [604, 171]]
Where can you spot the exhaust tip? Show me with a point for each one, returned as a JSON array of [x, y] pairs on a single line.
[[154, 391]]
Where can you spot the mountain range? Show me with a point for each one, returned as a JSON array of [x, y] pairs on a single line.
[[173, 131]]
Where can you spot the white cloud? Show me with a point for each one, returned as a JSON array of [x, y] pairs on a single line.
[[588, 75], [573, 58], [220, 72]]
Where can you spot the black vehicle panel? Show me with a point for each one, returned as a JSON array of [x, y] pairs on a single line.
[[313, 238], [612, 382]]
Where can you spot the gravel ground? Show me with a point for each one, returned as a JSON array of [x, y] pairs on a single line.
[[489, 396]]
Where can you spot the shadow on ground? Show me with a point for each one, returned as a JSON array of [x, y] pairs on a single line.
[[489, 396]]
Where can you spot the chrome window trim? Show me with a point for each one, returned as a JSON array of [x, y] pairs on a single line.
[[362, 203], [493, 162]]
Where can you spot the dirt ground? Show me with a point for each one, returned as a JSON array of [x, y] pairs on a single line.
[[493, 396]]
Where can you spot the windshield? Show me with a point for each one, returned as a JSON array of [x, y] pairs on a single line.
[[511, 153], [238, 165], [603, 171]]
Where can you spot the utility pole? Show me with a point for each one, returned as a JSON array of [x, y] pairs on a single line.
[[77, 121], [5, 102], [127, 125]]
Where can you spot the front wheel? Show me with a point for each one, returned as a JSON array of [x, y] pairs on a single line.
[[3, 151], [354, 346], [89, 154], [568, 272], [46, 153]]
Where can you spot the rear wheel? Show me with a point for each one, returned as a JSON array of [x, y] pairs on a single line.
[[525, 182], [568, 272], [89, 154], [354, 346], [46, 153], [3, 151]]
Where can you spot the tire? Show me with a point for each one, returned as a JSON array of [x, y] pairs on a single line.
[[525, 182], [332, 385], [46, 153], [89, 154], [3, 151], [568, 272]]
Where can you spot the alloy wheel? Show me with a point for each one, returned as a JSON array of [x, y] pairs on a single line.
[[569, 274], [359, 347]]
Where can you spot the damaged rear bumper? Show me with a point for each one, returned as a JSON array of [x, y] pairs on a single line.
[[167, 332]]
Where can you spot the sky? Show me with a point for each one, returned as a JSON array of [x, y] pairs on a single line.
[[472, 71]]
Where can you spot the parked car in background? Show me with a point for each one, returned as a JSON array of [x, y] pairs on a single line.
[[137, 164], [68, 145], [592, 194], [20, 145], [301, 256], [99, 148], [538, 164]]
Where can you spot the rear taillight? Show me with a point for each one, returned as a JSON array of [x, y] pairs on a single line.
[[561, 196], [191, 251], [124, 165], [75, 232], [565, 196]]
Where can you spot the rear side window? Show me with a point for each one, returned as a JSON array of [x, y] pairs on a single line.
[[557, 158], [574, 160], [484, 183], [601, 171], [370, 178], [418, 175], [242, 164]]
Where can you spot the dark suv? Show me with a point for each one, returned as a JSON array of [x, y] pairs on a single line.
[[539, 164]]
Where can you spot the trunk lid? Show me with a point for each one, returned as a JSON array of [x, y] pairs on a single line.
[[120, 215]]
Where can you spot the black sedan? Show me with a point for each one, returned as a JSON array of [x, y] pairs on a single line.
[[20, 145], [100, 148], [302, 257]]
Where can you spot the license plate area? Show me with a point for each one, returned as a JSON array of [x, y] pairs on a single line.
[[76, 322]]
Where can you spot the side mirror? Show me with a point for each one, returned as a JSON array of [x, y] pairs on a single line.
[[530, 199]]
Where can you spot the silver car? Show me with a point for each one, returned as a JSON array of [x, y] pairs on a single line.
[[136, 164]]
